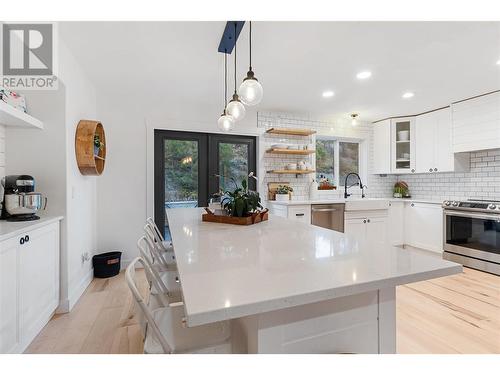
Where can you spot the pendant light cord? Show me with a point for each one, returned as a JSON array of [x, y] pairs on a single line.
[[250, 45], [235, 43], [225, 79]]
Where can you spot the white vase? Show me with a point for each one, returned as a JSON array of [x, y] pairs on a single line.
[[282, 197], [313, 190], [403, 135]]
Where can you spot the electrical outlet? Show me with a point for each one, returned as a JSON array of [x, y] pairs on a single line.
[[85, 257]]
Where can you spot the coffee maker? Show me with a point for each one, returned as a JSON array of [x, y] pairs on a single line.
[[19, 200]]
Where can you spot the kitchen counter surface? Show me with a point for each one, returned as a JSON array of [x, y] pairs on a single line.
[[10, 229], [231, 271], [343, 200]]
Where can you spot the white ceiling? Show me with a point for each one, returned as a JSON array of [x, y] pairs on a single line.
[[178, 64]]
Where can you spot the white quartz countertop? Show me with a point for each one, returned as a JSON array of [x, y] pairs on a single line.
[[229, 271], [343, 200], [10, 229]]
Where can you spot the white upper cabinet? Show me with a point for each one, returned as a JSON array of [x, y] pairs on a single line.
[[382, 147], [476, 123], [434, 152], [403, 145]]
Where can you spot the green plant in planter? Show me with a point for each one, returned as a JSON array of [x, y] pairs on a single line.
[[241, 202], [401, 188], [97, 142], [284, 189]]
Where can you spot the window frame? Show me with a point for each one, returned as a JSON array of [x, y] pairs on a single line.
[[362, 156]]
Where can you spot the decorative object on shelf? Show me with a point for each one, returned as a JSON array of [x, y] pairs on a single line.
[[403, 135], [89, 162], [226, 121], [325, 184], [283, 193], [12, 98], [401, 190], [289, 131], [235, 107], [250, 90], [291, 166], [354, 119]]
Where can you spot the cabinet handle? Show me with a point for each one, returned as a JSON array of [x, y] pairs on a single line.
[[26, 238], [430, 169], [364, 221], [435, 169], [413, 205], [299, 214], [368, 220], [21, 241], [413, 171]]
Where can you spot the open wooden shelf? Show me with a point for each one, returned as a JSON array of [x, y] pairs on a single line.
[[284, 151], [291, 171], [89, 163], [10, 116], [287, 131]]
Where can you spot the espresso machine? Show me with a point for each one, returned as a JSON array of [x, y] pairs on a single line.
[[19, 200]]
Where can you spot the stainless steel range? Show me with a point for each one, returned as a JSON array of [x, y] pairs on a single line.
[[472, 234]]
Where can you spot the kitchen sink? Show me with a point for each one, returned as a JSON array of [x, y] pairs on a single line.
[[365, 204]]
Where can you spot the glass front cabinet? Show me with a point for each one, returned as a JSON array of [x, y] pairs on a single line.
[[403, 145]]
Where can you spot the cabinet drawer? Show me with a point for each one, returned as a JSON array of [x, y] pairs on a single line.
[[278, 210], [300, 213]]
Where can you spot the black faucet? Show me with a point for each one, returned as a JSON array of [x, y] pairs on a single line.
[[361, 186]]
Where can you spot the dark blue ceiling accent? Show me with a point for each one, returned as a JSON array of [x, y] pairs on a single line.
[[228, 39]]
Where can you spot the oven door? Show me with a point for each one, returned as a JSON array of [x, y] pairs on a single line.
[[473, 235]]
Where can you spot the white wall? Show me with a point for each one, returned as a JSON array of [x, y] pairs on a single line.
[[80, 103]]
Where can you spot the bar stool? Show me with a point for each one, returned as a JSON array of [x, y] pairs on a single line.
[[166, 331]]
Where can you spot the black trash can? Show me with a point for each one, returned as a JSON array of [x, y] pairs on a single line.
[[107, 264]]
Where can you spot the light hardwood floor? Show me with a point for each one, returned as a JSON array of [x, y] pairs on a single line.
[[455, 314]]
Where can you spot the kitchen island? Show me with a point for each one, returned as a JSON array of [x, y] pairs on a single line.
[[291, 287]]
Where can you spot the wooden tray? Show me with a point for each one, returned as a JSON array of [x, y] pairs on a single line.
[[247, 220]]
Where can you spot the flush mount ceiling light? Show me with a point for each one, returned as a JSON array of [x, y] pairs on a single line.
[[408, 95], [354, 119], [364, 74], [225, 122], [328, 94], [250, 90], [235, 108]]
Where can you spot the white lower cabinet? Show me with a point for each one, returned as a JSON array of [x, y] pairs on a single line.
[[29, 287], [423, 226], [395, 229], [300, 213], [367, 225]]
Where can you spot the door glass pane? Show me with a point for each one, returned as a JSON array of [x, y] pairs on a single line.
[[325, 166], [348, 161], [233, 163], [403, 145], [181, 173]]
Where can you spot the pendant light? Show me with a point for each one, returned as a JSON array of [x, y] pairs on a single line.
[[354, 121], [235, 108], [250, 89], [226, 121]]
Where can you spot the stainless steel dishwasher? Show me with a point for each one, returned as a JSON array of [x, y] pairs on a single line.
[[330, 216]]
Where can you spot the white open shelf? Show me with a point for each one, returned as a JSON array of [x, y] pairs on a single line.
[[10, 116]]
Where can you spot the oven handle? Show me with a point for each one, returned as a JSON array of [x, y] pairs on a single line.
[[494, 217]]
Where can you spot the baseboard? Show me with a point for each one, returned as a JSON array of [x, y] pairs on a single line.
[[125, 263], [77, 293]]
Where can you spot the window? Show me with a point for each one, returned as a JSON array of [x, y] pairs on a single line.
[[336, 159]]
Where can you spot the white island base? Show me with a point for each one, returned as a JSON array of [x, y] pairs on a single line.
[[362, 323]]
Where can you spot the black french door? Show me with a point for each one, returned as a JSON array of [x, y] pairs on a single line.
[[190, 167]]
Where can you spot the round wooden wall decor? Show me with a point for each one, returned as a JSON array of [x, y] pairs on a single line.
[[89, 157]]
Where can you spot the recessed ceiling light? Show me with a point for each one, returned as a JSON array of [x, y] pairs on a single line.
[[498, 62], [408, 95], [328, 94], [364, 75]]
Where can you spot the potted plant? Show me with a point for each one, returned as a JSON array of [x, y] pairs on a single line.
[[283, 193], [400, 189], [98, 145], [241, 202]]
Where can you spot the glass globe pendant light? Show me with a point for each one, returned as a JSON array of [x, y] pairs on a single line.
[[226, 121], [250, 89], [235, 108]]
